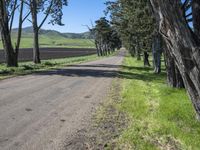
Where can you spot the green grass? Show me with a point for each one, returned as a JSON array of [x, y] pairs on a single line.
[[29, 67], [54, 41], [160, 117]]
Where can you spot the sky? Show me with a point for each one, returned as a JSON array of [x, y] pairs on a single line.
[[77, 14]]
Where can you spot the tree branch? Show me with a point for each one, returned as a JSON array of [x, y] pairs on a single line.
[[47, 14], [188, 15], [19, 27], [12, 15], [26, 16]]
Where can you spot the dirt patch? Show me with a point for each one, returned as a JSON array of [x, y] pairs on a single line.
[[28, 109], [105, 127]]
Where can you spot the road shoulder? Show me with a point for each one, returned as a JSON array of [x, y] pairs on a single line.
[[106, 125]]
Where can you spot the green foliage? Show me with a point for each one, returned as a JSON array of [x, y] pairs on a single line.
[[160, 117], [106, 38], [132, 20], [52, 8]]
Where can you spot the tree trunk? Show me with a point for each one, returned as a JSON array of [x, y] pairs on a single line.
[[97, 47], [182, 46], [196, 16], [10, 54], [137, 48], [146, 59], [174, 78], [170, 69], [138, 53], [19, 34], [36, 50], [179, 79], [156, 52]]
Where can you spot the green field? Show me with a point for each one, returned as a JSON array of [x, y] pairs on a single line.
[[52, 39], [160, 117]]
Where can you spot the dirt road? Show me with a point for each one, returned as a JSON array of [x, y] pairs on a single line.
[[40, 111]]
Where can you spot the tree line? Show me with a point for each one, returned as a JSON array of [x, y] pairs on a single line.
[[106, 38], [27, 10], [163, 28]]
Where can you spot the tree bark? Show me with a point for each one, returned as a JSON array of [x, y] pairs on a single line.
[[97, 47], [174, 78], [138, 51], [36, 50], [157, 51], [146, 59], [10, 54], [196, 16], [17, 44], [182, 45], [179, 79], [170, 69]]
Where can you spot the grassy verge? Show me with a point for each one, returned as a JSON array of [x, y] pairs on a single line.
[[160, 117], [29, 67]]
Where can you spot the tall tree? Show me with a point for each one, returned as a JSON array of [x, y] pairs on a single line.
[[196, 16], [174, 78], [182, 44], [106, 38], [47, 8], [157, 49], [7, 15], [134, 23]]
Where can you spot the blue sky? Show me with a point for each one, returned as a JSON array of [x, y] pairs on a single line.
[[76, 14]]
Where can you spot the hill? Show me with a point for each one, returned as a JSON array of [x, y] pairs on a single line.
[[52, 38], [29, 31]]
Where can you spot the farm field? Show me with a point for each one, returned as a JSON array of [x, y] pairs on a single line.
[[51, 41], [51, 53]]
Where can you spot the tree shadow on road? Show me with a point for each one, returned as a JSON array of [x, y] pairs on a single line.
[[106, 71]]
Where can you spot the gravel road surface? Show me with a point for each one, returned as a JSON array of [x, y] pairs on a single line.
[[40, 111]]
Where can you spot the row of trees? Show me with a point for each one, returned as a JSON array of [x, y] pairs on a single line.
[[182, 42], [28, 10], [133, 21], [106, 38], [163, 26]]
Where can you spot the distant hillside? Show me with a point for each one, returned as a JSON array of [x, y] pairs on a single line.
[[28, 31], [85, 35], [52, 38]]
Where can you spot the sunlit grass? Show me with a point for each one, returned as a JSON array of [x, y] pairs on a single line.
[[160, 117]]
